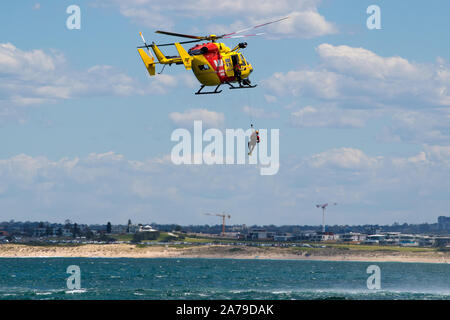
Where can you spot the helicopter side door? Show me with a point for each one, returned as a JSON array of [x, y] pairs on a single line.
[[235, 61], [228, 66]]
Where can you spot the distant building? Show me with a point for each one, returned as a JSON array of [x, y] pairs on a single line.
[[234, 235], [66, 232], [442, 241], [425, 241], [375, 239], [238, 228], [323, 236], [408, 240], [352, 237], [147, 228], [444, 223], [373, 230], [4, 233], [306, 235], [118, 229], [44, 232], [39, 232], [95, 232], [133, 228], [284, 237], [260, 234]]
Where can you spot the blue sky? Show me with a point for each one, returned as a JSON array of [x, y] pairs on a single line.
[[363, 114]]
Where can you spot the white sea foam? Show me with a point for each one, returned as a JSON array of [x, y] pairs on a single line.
[[75, 291]]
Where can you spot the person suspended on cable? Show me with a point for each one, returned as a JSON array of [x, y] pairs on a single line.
[[254, 139]]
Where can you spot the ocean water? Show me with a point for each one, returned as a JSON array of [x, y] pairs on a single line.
[[123, 278]]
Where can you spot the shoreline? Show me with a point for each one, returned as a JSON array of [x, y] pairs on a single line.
[[236, 258], [217, 252]]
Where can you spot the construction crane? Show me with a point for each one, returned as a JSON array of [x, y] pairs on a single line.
[[323, 206], [223, 216]]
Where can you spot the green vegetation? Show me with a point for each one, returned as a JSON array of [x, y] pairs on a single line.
[[304, 249], [196, 240], [359, 247], [141, 236], [165, 237], [193, 239], [123, 237], [153, 236]]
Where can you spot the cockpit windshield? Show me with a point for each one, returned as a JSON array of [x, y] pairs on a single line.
[[243, 61]]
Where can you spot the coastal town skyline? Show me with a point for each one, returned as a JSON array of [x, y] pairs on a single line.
[[441, 224]]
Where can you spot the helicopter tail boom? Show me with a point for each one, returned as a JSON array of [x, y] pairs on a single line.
[[148, 62]]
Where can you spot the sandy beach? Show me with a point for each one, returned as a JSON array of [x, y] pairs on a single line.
[[218, 251]]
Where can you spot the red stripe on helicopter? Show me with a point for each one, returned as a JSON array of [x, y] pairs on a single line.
[[215, 60]]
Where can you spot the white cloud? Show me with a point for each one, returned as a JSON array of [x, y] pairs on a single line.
[[259, 113], [209, 118], [319, 84], [107, 186], [35, 77], [144, 16], [26, 65], [428, 126], [304, 22], [357, 76], [356, 84], [438, 154], [420, 159], [365, 63], [344, 158], [329, 116], [269, 98]]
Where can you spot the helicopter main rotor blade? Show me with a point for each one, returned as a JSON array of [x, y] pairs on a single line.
[[180, 35], [244, 36], [170, 44], [235, 34], [250, 28]]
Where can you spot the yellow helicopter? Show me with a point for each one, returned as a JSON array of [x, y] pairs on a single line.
[[213, 63]]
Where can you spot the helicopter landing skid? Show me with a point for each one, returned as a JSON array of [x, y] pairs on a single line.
[[210, 92], [246, 86]]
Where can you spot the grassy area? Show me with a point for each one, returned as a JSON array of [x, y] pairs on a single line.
[[339, 246], [196, 240], [123, 237], [163, 237], [166, 237], [359, 247]]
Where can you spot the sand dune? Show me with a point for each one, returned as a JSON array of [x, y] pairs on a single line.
[[216, 251]]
